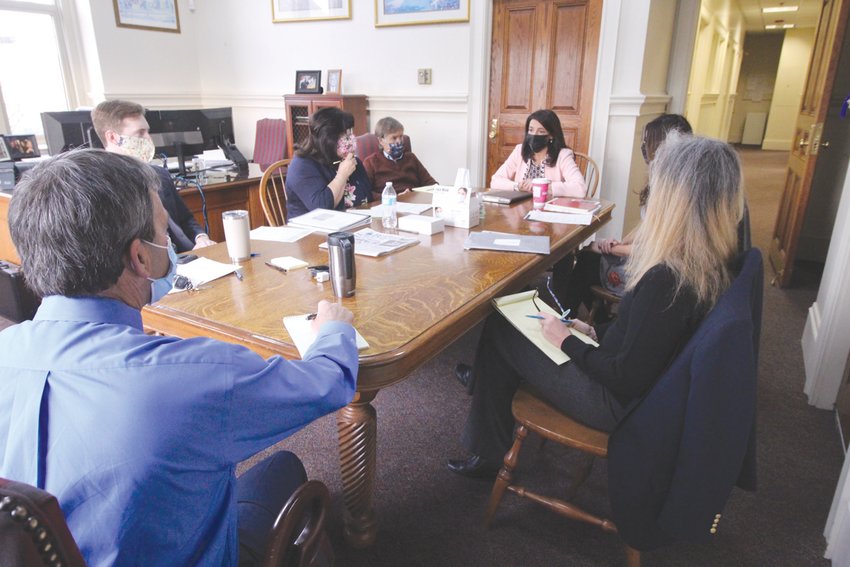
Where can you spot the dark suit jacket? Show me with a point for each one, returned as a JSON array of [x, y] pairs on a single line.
[[674, 459], [182, 227]]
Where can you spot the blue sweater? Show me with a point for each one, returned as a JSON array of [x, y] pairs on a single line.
[[307, 186]]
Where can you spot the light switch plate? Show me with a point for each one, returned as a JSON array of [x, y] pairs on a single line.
[[424, 76]]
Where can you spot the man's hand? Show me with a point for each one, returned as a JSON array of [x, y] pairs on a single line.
[[328, 311], [202, 241]]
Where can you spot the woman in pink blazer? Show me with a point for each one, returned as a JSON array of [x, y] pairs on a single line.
[[543, 153]]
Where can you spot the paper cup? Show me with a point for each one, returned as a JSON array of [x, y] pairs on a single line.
[[539, 192]]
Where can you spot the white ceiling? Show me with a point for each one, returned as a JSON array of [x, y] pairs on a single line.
[[806, 16]]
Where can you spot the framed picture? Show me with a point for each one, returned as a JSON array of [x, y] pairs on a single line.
[[308, 82], [414, 12], [20, 147], [301, 10], [335, 81], [156, 16], [4, 151]]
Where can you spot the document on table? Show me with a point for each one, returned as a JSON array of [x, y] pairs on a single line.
[[279, 233], [559, 218], [300, 328], [507, 242], [401, 208], [203, 270], [516, 308], [368, 242]]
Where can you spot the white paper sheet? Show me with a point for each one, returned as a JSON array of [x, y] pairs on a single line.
[[279, 233]]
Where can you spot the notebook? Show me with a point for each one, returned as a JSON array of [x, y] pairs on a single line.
[[515, 308], [507, 242], [572, 205], [505, 197], [328, 220]]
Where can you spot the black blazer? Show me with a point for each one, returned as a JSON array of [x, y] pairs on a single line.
[[674, 459], [182, 227]]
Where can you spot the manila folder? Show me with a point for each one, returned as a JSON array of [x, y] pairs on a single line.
[[515, 308]]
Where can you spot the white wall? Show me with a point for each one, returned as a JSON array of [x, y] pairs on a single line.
[[788, 92], [756, 80], [231, 54]]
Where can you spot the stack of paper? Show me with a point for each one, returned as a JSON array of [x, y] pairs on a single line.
[[327, 220], [368, 242], [203, 270], [572, 205], [279, 233], [300, 328]]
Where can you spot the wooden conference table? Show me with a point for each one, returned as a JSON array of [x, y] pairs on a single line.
[[408, 305]]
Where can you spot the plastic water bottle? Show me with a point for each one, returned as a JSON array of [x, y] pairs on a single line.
[[388, 198]]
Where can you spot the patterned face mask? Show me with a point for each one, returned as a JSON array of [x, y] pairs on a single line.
[[138, 147], [397, 150], [345, 145]]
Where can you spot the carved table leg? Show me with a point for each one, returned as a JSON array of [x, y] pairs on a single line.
[[357, 430]]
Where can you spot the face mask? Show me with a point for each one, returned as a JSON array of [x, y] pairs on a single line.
[[397, 150], [161, 286], [345, 145], [536, 143], [138, 147]]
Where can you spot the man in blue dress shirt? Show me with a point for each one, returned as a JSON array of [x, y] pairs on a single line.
[[138, 436]]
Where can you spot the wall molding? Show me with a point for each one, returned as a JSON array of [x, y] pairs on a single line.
[[637, 105], [442, 104]]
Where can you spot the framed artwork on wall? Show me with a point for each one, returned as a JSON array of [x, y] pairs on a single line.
[[415, 12], [308, 82], [159, 16], [301, 11], [335, 81]]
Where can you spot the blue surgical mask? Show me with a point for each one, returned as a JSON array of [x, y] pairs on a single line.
[[397, 150], [161, 286]]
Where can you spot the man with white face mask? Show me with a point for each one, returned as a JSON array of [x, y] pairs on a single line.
[[122, 127], [138, 436]]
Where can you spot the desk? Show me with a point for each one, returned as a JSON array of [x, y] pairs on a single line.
[[408, 305]]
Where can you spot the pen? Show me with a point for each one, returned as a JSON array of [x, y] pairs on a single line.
[[311, 316], [563, 320], [239, 275], [278, 268], [534, 316]]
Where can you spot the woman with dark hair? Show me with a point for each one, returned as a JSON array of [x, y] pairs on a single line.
[[324, 174], [543, 153]]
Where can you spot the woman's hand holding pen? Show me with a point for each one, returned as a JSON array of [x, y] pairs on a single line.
[[346, 167], [328, 311], [554, 329]]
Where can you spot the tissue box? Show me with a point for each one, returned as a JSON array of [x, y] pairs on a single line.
[[421, 224], [457, 206]]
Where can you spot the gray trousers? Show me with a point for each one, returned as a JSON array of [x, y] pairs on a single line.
[[504, 360]]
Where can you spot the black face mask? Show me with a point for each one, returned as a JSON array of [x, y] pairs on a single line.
[[536, 143]]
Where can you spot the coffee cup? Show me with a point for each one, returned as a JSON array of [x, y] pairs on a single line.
[[539, 192], [237, 235]]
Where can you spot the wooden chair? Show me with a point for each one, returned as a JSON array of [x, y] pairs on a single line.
[[533, 414], [273, 193], [591, 173], [298, 537], [602, 300]]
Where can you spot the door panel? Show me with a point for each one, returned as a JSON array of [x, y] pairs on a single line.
[[543, 55], [806, 143]]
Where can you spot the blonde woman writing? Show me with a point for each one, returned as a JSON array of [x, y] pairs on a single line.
[[679, 266]]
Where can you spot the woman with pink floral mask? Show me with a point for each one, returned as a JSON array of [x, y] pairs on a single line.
[[324, 174]]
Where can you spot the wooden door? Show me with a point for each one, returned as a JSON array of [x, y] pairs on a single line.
[[543, 56], [807, 139]]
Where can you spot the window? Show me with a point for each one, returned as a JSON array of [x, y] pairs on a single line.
[[34, 73]]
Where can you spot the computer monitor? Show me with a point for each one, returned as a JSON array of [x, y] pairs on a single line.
[[182, 133], [67, 130]]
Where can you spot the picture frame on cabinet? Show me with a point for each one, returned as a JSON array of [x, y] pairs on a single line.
[[308, 82], [335, 81]]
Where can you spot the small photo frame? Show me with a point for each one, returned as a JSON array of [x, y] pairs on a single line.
[[153, 16], [308, 82], [416, 12], [4, 150], [302, 10], [335, 81], [21, 147]]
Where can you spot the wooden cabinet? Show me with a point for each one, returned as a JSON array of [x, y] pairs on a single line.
[[300, 107]]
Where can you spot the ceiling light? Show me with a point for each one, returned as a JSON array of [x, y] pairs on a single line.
[[777, 9], [771, 27], [788, 26]]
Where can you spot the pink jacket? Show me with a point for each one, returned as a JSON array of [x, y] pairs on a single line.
[[566, 178]]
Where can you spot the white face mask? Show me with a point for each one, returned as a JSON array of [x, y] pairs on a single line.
[[138, 147]]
